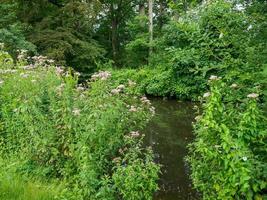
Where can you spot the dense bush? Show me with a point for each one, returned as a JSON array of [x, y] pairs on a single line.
[[12, 31], [51, 127], [228, 156], [218, 40], [156, 82]]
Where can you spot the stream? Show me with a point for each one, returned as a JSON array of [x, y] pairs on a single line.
[[168, 134]]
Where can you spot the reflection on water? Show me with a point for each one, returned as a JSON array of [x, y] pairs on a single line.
[[168, 134]]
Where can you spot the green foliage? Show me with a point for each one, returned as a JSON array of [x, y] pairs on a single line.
[[228, 156], [53, 128], [12, 31], [134, 177], [16, 187], [220, 40], [65, 34], [137, 49], [156, 82]]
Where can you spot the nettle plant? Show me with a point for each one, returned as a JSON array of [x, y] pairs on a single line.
[[228, 157], [54, 128]]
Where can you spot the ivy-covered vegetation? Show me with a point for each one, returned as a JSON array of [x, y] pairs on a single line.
[[76, 130]]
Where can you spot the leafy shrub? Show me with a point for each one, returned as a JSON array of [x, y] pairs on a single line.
[[137, 49], [228, 156], [58, 129], [12, 31], [219, 40]]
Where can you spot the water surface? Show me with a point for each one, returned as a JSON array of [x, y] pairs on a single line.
[[168, 134]]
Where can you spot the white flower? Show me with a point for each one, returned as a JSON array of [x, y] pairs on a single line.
[[76, 111], [1, 82], [103, 75], [50, 61], [244, 158], [133, 109], [59, 70], [60, 87], [221, 35], [197, 118], [207, 94], [152, 110], [214, 78], [134, 134], [28, 67], [2, 45], [131, 83], [234, 85], [145, 100], [253, 96], [33, 81], [121, 87], [24, 75], [115, 91], [77, 74], [80, 88], [7, 71]]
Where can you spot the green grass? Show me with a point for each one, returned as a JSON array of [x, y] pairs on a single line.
[[13, 187]]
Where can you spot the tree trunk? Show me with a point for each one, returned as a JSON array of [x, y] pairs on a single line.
[[114, 31], [150, 16], [161, 13], [142, 10]]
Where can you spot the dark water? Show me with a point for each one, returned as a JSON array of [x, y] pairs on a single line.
[[168, 134]]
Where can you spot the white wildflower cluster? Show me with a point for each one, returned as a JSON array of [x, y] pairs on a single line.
[[131, 83], [214, 78], [102, 75], [67, 74], [198, 118], [133, 109], [152, 110], [253, 96], [22, 54], [16, 110], [234, 86], [1, 82], [2, 45], [42, 61], [28, 67], [59, 70], [80, 88], [76, 112], [244, 158], [60, 88], [77, 74], [145, 100], [116, 160], [134, 134], [118, 90], [24, 75], [206, 95], [8, 71]]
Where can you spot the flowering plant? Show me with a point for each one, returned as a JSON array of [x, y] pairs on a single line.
[[52, 127], [228, 157]]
